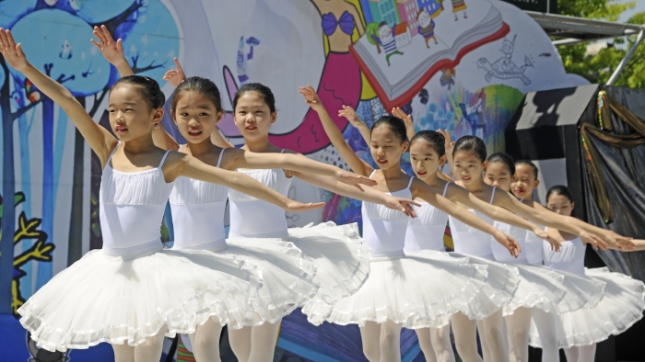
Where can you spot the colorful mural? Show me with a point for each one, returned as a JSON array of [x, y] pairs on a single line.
[[461, 65]]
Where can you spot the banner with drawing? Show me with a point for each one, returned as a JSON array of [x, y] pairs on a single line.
[[461, 65]]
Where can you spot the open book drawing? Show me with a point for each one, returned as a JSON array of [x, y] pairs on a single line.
[[400, 57]]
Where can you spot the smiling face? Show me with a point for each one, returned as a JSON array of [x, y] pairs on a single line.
[[560, 204], [498, 175], [385, 33], [196, 116], [386, 148], [424, 19], [253, 117], [524, 181], [424, 159], [131, 116], [468, 166]]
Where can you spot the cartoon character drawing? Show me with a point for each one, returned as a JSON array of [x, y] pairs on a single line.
[[448, 77], [242, 58], [504, 67], [43, 355], [457, 6], [426, 26], [386, 38], [475, 120]]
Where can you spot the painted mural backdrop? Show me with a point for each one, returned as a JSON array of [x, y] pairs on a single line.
[[461, 65]]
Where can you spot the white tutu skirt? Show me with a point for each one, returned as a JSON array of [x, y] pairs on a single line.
[[103, 298], [621, 307], [342, 262], [553, 291], [287, 279], [419, 291]]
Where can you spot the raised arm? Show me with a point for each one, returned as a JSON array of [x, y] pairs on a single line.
[[296, 162], [461, 195], [100, 139], [349, 113], [112, 50], [450, 146], [545, 217], [180, 164], [424, 192], [407, 119], [355, 163]]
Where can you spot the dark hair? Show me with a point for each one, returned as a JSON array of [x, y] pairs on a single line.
[[148, 87], [263, 90], [381, 24], [435, 139], [202, 86], [504, 158], [472, 144], [559, 190], [396, 125], [530, 164]]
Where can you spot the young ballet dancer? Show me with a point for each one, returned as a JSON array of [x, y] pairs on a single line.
[[198, 216], [416, 291], [581, 293], [579, 331], [130, 293], [427, 154]]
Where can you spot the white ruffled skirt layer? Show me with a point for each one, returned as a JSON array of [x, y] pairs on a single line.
[[419, 291], [553, 291], [103, 298], [342, 262], [287, 279], [621, 307]]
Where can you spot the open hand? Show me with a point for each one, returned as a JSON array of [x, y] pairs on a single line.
[[112, 51], [407, 119], [349, 113], [555, 245], [623, 242], [311, 97], [449, 143], [509, 243], [401, 204], [353, 179], [595, 241], [295, 206], [175, 76], [11, 51]]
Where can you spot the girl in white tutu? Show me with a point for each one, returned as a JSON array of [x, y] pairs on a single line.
[[130, 293], [467, 159], [198, 215], [414, 291], [579, 331], [427, 154], [540, 282]]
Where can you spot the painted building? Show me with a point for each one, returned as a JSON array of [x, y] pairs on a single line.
[[384, 10], [408, 10], [433, 7], [402, 35]]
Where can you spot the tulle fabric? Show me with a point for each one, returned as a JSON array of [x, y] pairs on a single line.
[[621, 307], [287, 279], [103, 298], [419, 291], [342, 262], [553, 291]]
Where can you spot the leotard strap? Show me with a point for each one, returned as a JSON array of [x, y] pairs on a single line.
[[445, 189], [492, 195], [163, 159], [219, 159]]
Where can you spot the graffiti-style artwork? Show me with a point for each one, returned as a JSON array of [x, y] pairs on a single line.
[[504, 67]]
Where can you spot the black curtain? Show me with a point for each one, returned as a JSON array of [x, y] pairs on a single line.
[[612, 148]]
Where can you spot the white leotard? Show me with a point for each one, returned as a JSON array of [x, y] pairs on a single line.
[[384, 229], [470, 241], [131, 209], [198, 209], [251, 217], [570, 258], [425, 232]]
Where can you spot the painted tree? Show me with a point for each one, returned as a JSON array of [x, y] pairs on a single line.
[[371, 31]]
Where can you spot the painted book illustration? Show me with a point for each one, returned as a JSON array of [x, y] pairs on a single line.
[[399, 54]]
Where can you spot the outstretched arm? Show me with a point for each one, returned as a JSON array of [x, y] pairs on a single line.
[[100, 139], [546, 218], [407, 119], [355, 163], [112, 50], [299, 163], [179, 164], [459, 194], [424, 192], [612, 239]]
